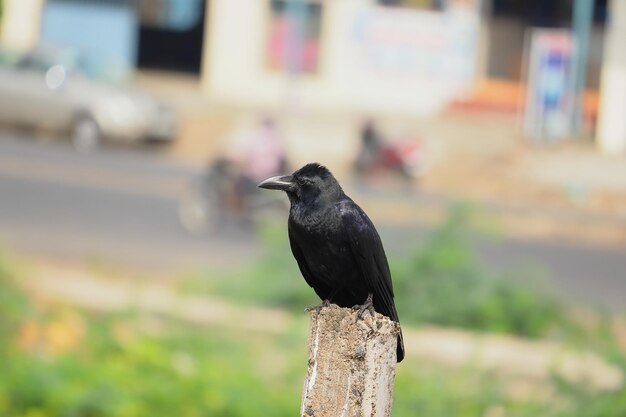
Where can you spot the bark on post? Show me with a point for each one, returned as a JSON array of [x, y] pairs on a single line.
[[352, 364]]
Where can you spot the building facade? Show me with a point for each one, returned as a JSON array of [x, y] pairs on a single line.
[[360, 56]]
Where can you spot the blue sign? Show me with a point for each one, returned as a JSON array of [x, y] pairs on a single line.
[[549, 107]]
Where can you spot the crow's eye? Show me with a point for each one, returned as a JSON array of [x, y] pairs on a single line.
[[304, 182]]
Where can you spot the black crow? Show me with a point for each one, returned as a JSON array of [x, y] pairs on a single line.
[[335, 244]]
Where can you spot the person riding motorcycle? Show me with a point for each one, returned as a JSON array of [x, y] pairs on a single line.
[[227, 190], [403, 155], [257, 154]]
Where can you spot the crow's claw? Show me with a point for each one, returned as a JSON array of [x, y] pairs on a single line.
[[368, 306], [317, 308]]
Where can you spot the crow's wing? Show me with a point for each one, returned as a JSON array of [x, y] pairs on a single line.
[[321, 290], [300, 259], [369, 256]]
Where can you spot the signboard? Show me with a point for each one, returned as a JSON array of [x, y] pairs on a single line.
[[549, 107], [418, 45], [411, 61]]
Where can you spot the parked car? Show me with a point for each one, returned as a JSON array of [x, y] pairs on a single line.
[[53, 89]]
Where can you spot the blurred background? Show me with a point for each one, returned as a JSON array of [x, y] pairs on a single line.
[[142, 273]]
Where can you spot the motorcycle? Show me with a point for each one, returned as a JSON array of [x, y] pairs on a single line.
[[405, 157], [224, 196]]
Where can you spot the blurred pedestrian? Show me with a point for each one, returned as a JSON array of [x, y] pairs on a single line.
[[258, 154], [370, 146]]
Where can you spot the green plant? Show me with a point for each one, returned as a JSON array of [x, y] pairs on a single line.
[[443, 283], [14, 304], [440, 282]]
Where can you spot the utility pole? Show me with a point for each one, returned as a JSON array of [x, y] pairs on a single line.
[[582, 17], [352, 364]]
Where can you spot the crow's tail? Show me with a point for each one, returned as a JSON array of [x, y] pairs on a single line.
[[400, 348], [389, 309]]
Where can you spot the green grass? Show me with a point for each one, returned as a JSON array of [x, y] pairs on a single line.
[[443, 283], [133, 365], [128, 365]]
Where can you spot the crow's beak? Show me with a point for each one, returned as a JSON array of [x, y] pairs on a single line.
[[284, 183]]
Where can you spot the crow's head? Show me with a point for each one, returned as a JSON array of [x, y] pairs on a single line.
[[313, 183]]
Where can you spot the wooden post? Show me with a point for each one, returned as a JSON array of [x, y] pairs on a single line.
[[352, 364]]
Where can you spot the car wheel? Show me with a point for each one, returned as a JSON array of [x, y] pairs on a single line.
[[85, 134]]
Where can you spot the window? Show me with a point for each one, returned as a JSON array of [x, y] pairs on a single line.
[[177, 15], [294, 36]]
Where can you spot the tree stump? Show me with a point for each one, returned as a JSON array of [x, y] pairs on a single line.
[[352, 364]]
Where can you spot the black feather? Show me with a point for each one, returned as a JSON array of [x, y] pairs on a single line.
[[336, 245]]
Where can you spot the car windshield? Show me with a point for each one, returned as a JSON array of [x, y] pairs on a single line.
[[42, 60]]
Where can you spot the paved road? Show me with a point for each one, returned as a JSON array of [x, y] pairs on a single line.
[[119, 205], [115, 205]]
